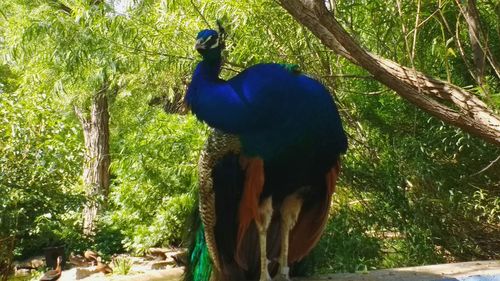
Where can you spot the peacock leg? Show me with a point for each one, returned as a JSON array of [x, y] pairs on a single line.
[[265, 215], [290, 210]]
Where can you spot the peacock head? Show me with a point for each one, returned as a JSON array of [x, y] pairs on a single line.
[[209, 44]]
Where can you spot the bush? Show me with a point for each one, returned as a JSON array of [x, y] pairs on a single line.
[[40, 157], [155, 177]]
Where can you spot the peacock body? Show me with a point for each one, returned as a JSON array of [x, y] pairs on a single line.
[[269, 168]]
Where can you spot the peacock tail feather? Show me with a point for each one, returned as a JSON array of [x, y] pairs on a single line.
[[200, 258], [204, 260]]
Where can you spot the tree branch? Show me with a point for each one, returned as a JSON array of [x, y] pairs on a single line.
[[468, 112], [471, 16], [480, 50]]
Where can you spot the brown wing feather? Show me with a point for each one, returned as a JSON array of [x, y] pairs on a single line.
[[311, 222]]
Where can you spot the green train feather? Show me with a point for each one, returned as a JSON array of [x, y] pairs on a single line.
[[200, 258]]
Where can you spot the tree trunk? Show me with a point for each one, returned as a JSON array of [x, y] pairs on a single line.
[[97, 159], [472, 18], [460, 108]]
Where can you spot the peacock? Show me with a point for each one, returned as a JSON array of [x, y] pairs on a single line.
[[268, 169]]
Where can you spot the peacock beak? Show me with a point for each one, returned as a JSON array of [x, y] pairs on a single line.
[[199, 45]]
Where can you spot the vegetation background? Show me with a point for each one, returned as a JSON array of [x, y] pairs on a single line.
[[413, 189]]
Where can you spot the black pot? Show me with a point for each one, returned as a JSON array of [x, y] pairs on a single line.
[[51, 254]]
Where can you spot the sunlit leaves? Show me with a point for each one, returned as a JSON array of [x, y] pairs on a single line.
[[405, 172], [155, 176], [39, 163]]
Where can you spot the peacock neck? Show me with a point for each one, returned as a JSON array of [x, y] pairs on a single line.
[[209, 68]]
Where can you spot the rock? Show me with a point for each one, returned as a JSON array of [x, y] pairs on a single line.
[[81, 273], [158, 253], [22, 272], [78, 260], [180, 258], [31, 263], [91, 256], [162, 264], [37, 262]]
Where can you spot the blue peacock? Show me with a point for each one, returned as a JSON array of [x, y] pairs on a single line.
[[268, 170]]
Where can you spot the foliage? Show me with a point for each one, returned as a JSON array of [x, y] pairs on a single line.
[[122, 265], [345, 241], [413, 190], [40, 157], [85, 46], [35, 276], [155, 176], [425, 181]]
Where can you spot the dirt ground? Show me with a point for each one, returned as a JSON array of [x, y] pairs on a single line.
[[420, 273]]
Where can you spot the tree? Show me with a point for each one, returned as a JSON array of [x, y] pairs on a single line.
[[97, 159], [63, 48], [442, 99], [84, 53]]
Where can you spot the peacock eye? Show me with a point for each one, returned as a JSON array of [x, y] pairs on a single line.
[[209, 42], [214, 43]]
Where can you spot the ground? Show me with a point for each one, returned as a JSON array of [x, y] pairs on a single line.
[[468, 271]]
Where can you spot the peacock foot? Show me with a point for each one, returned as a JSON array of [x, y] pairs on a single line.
[[281, 277], [265, 277]]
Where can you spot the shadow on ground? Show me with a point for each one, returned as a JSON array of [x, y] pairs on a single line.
[[467, 271]]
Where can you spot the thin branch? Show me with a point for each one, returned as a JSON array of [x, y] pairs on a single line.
[[426, 20], [458, 43], [3, 14], [411, 52], [80, 115], [148, 52], [417, 18], [201, 14], [461, 48], [493, 62], [375, 93], [61, 6], [487, 167], [348, 76], [403, 26]]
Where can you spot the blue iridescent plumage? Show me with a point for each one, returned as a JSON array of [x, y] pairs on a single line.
[[268, 105], [288, 124]]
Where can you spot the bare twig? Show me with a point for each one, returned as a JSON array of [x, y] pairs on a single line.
[[425, 21], [347, 76], [411, 52], [417, 19], [200, 13], [458, 43], [487, 167]]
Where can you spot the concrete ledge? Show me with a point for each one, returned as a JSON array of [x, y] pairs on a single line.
[[444, 272], [419, 273]]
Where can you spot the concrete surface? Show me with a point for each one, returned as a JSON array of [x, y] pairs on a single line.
[[441, 272], [467, 271]]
